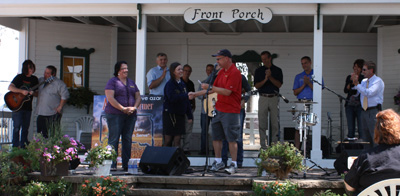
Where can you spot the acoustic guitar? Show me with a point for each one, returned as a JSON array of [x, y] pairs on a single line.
[[15, 100], [212, 99]]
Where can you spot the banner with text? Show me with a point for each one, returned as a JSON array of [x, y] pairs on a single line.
[[148, 128]]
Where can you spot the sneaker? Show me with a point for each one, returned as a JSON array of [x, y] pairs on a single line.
[[231, 169], [217, 166]]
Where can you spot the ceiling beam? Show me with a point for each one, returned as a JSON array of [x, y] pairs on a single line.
[[286, 23], [204, 26], [372, 24], [173, 23], [258, 25], [149, 26], [83, 19], [51, 18], [343, 23], [117, 23]]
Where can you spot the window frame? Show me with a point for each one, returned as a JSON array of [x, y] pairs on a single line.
[[80, 53]]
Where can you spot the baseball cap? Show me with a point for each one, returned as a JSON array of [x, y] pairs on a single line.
[[223, 52]]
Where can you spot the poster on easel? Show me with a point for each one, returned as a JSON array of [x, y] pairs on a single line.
[[148, 128]]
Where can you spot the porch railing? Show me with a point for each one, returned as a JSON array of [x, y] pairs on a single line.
[[6, 126], [250, 131]]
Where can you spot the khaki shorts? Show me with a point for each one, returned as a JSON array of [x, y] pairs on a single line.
[[225, 126]]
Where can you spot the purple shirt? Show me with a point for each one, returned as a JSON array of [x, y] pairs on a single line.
[[125, 95]]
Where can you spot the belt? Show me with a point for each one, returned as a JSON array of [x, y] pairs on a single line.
[[267, 95], [371, 108], [305, 100]]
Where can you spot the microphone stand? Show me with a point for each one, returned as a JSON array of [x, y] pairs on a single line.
[[341, 98], [211, 81], [281, 96]]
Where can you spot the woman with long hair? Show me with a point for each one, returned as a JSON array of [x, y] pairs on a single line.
[[176, 106]]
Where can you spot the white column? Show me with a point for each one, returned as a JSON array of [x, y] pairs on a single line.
[[141, 35], [316, 153]]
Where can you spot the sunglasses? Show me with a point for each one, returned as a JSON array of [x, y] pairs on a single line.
[[364, 69]]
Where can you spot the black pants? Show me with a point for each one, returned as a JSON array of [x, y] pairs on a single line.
[[44, 122]]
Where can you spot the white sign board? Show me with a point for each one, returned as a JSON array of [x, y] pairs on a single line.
[[227, 15]]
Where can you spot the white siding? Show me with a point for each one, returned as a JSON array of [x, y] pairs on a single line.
[[389, 43], [46, 35], [340, 51]]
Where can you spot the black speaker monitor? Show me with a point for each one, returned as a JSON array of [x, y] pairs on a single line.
[[163, 161]]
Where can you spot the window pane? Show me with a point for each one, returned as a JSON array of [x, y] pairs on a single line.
[[68, 79]]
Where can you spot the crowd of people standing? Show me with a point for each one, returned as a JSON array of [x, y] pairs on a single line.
[[363, 88]]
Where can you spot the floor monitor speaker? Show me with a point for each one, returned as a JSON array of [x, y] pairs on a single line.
[[163, 161]]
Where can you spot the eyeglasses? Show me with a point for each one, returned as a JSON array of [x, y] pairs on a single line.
[[364, 69]]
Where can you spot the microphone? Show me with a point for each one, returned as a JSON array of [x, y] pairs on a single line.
[[284, 98], [329, 116]]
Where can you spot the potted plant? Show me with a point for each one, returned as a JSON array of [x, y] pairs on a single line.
[[81, 97], [100, 158], [19, 155], [280, 159], [59, 188], [52, 155], [104, 186], [12, 174], [277, 188]]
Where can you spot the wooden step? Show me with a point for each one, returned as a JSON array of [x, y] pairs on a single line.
[[186, 192]]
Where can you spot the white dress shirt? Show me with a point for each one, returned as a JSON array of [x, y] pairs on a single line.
[[374, 92]]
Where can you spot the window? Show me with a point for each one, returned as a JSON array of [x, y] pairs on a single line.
[[74, 66], [73, 71]]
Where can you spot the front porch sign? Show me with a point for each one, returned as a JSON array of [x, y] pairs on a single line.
[[227, 15]]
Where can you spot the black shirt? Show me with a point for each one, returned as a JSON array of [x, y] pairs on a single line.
[[268, 87], [21, 81], [351, 98], [376, 164], [190, 88]]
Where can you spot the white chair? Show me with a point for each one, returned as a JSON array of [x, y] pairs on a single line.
[[83, 124], [380, 187]]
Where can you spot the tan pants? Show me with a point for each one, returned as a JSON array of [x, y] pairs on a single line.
[[188, 135], [268, 105]]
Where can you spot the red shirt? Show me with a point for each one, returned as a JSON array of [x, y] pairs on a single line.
[[231, 80]]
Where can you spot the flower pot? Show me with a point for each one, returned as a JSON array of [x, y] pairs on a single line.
[[50, 169], [276, 166], [103, 169]]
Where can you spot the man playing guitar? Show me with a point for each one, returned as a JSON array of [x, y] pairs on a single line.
[[22, 83]]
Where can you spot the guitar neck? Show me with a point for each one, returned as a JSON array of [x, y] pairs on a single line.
[[44, 81], [37, 86]]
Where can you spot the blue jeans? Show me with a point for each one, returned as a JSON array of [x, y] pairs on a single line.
[[353, 113], [225, 146], [21, 119], [121, 125], [204, 134], [44, 124]]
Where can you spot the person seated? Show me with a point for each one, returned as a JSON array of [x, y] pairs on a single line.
[[380, 162]]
